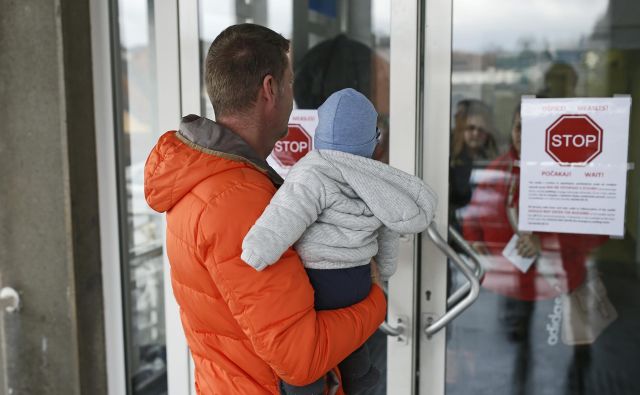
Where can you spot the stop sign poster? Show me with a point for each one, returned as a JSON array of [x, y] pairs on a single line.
[[298, 142], [573, 167]]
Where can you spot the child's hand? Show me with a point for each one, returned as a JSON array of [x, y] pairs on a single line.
[[375, 274]]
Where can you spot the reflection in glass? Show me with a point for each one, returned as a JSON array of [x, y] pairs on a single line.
[[568, 324], [140, 227], [334, 45]]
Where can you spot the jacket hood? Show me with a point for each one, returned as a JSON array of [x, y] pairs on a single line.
[[403, 202], [200, 149]]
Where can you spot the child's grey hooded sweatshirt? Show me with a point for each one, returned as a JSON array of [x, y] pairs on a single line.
[[340, 210]]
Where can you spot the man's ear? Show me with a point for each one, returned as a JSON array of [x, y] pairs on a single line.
[[269, 89]]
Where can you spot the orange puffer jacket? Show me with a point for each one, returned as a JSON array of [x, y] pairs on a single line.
[[246, 329]]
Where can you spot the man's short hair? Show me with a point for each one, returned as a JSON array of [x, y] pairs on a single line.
[[237, 62]]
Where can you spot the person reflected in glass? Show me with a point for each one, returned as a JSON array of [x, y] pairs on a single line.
[[489, 223], [472, 147], [557, 265], [342, 62], [560, 80]]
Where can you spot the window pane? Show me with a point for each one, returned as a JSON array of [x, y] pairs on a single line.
[[359, 59], [569, 324], [140, 227]]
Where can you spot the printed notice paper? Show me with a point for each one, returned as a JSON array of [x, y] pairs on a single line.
[[574, 165]]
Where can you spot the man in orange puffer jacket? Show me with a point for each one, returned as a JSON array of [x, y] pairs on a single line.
[[246, 329]]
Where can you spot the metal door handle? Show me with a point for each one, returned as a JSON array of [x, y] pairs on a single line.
[[478, 269], [474, 284], [390, 330], [397, 331], [9, 300]]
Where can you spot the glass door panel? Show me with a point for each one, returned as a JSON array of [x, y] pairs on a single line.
[[338, 44], [140, 228], [570, 324]]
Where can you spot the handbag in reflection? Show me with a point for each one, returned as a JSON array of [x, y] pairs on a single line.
[[586, 312]]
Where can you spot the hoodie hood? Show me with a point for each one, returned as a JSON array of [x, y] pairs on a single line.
[[402, 202], [200, 149]]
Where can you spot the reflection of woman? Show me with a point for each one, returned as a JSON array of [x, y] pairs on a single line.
[[490, 222], [472, 146]]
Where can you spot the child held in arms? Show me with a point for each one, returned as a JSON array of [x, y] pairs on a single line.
[[339, 209]]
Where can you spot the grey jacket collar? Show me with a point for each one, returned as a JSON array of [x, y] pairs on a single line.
[[211, 136]]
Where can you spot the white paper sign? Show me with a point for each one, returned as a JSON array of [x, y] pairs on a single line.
[[574, 165], [299, 141]]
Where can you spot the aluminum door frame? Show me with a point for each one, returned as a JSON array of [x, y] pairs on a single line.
[[171, 17], [108, 196], [437, 35], [190, 74], [404, 122]]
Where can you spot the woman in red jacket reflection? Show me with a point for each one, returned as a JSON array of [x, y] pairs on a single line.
[[490, 221], [559, 266]]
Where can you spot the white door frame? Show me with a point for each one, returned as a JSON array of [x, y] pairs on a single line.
[[435, 164], [108, 196], [187, 60], [169, 23], [403, 123]]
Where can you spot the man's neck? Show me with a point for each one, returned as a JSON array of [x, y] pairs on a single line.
[[249, 130]]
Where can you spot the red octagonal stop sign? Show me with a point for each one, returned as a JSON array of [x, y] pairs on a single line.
[[574, 140], [293, 147]]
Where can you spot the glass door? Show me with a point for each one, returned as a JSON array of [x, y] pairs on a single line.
[[569, 324], [369, 45], [132, 233]]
